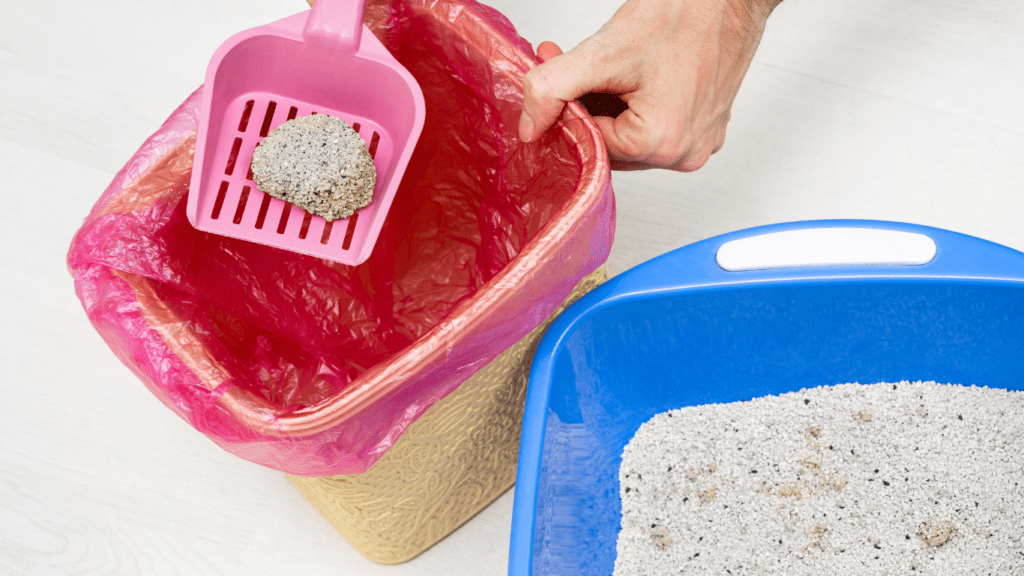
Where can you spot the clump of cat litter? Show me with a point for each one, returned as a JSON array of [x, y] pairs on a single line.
[[317, 162], [883, 479]]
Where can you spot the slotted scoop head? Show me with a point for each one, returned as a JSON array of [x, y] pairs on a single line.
[[322, 61]]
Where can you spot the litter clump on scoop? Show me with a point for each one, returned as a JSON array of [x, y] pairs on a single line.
[[317, 162]]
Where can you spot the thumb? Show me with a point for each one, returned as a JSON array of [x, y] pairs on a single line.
[[547, 87]]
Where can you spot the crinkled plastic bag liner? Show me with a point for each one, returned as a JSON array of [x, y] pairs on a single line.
[[316, 368]]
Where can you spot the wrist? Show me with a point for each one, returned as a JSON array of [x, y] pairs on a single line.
[[752, 14], [762, 8]]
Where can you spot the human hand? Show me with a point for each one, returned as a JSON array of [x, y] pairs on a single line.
[[675, 64]]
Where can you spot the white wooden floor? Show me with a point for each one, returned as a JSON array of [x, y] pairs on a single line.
[[886, 109]]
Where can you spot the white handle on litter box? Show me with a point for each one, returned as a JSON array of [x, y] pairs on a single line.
[[839, 246], [339, 22]]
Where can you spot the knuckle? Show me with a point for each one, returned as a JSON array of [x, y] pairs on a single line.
[[674, 147], [537, 85], [693, 162], [637, 145], [718, 144], [530, 82]]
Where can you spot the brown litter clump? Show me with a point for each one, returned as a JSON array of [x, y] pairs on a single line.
[[936, 534]]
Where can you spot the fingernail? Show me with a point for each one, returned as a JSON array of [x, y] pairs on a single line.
[[525, 128]]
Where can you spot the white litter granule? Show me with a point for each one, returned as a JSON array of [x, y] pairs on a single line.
[[317, 162], [884, 479]]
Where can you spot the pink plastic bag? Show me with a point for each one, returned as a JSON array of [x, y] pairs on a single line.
[[315, 368]]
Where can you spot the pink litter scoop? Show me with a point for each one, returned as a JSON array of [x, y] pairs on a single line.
[[321, 61]]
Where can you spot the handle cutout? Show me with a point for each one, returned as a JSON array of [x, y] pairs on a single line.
[[813, 247]]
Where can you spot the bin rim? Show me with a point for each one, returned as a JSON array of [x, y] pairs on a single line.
[[382, 380]]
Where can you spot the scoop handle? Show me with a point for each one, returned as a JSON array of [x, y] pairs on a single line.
[[338, 22]]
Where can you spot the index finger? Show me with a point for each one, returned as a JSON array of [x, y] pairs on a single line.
[[547, 87]]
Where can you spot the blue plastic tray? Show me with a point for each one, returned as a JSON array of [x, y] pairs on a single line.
[[680, 331]]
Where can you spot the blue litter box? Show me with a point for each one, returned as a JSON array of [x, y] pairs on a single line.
[[763, 311]]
